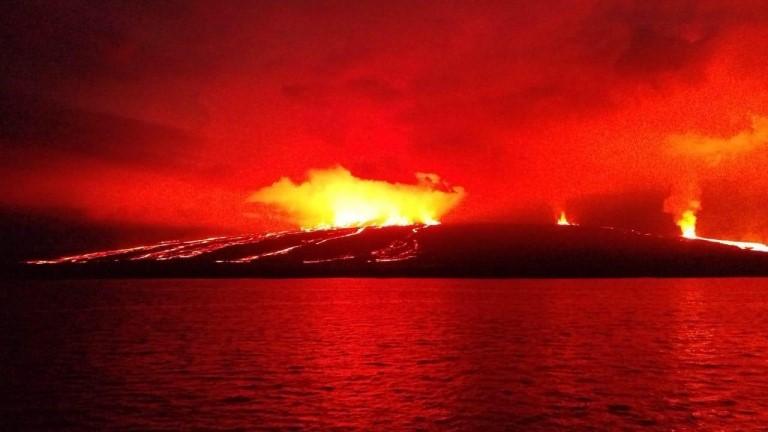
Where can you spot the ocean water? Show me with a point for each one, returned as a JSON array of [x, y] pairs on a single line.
[[385, 354]]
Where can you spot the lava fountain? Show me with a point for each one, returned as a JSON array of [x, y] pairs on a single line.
[[687, 224], [334, 198]]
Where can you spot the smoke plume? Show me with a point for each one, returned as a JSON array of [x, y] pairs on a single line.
[[701, 154]]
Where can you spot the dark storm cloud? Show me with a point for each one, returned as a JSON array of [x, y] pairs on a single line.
[[575, 65], [90, 40], [51, 42], [644, 39]]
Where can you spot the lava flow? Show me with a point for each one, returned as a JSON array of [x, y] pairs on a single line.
[[687, 224], [332, 207], [366, 244]]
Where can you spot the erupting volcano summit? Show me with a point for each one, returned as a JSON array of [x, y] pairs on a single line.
[[357, 227]]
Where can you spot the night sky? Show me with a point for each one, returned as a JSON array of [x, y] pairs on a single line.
[[138, 121]]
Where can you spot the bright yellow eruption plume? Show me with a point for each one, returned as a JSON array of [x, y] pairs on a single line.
[[563, 220], [335, 198], [687, 224], [685, 199]]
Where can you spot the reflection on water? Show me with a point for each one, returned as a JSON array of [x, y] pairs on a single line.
[[386, 354]]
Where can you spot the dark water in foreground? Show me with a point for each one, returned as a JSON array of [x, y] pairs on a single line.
[[385, 355]]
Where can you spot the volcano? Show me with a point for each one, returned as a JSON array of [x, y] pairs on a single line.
[[480, 250]]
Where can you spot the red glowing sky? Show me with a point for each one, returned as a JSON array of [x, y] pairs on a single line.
[[170, 114]]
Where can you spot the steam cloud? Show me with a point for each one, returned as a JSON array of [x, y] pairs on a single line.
[[714, 149], [685, 199]]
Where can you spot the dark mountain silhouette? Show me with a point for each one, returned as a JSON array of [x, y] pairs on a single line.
[[488, 250]]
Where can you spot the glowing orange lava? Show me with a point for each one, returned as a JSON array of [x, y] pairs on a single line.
[[687, 224], [563, 220], [335, 198]]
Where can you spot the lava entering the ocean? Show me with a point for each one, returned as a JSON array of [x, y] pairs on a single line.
[[335, 198]]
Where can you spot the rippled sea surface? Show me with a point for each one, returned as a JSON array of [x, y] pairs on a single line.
[[378, 354]]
